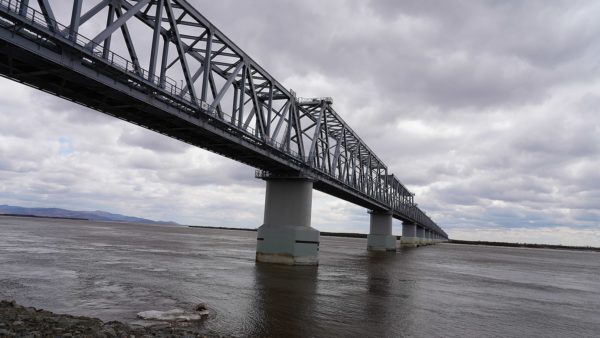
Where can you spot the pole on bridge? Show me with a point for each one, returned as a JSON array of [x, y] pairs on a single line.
[[286, 236], [380, 236]]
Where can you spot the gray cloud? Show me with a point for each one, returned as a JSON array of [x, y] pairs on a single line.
[[487, 110]]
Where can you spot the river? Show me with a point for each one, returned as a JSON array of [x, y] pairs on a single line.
[[112, 271]]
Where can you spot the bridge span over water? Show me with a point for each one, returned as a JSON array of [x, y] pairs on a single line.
[[162, 65]]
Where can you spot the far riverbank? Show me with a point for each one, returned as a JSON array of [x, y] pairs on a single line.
[[453, 241], [527, 245]]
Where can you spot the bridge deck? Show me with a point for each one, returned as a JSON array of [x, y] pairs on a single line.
[[34, 53]]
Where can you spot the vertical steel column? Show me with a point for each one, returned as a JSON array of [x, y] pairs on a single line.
[[163, 62], [23, 7], [75, 19], [206, 65], [242, 97], [270, 107], [109, 20], [155, 39]]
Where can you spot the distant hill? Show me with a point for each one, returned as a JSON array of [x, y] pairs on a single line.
[[88, 215]]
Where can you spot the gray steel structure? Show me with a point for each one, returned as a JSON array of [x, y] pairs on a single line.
[[224, 101]]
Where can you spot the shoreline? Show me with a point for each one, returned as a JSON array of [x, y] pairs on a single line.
[[526, 245], [451, 241], [18, 321], [50, 217]]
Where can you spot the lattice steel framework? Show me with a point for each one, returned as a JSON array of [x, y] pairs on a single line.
[[174, 72]]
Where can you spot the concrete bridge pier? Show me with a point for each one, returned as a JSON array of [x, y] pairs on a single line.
[[421, 236], [380, 236], [286, 236], [409, 235]]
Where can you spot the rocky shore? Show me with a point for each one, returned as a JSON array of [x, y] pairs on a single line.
[[21, 321]]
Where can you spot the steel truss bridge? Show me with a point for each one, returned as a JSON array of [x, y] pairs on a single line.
[[179, 75]]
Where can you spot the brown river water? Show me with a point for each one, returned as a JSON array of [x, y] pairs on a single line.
[[113, 271]]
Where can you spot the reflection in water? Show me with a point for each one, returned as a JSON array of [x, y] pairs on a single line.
[[283, 294], [379, 300], [388, 294]]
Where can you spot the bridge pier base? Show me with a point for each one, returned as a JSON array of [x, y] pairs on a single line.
[[286, 236], [421, 236], [409, 235], [380, 236]]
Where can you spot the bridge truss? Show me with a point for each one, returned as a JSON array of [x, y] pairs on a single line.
[[162, 65]]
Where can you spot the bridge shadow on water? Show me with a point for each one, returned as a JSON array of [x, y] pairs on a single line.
[[285, 298], [390, 294], [368, 297]]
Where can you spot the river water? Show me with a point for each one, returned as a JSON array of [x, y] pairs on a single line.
[[112, 271]]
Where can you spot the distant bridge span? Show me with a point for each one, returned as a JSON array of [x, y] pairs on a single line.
[[178, 75]]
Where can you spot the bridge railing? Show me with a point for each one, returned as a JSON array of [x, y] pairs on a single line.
[[38, 19]]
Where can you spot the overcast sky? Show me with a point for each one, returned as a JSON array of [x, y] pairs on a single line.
[[487, 110]]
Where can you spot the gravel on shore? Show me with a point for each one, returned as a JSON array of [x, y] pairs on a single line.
[[21, 321]]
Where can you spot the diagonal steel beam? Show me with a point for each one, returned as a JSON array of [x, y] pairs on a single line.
[[129, 44], [336, 156], [225, 87], [194, 78], [213, 90], [90, 13], [118, 23], [180, 51], [257, 106], [297, 127], [311, 153], [48, 14], [281, 120]]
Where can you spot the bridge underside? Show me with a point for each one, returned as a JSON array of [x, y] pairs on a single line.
[[309, 146], [63, 75]]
